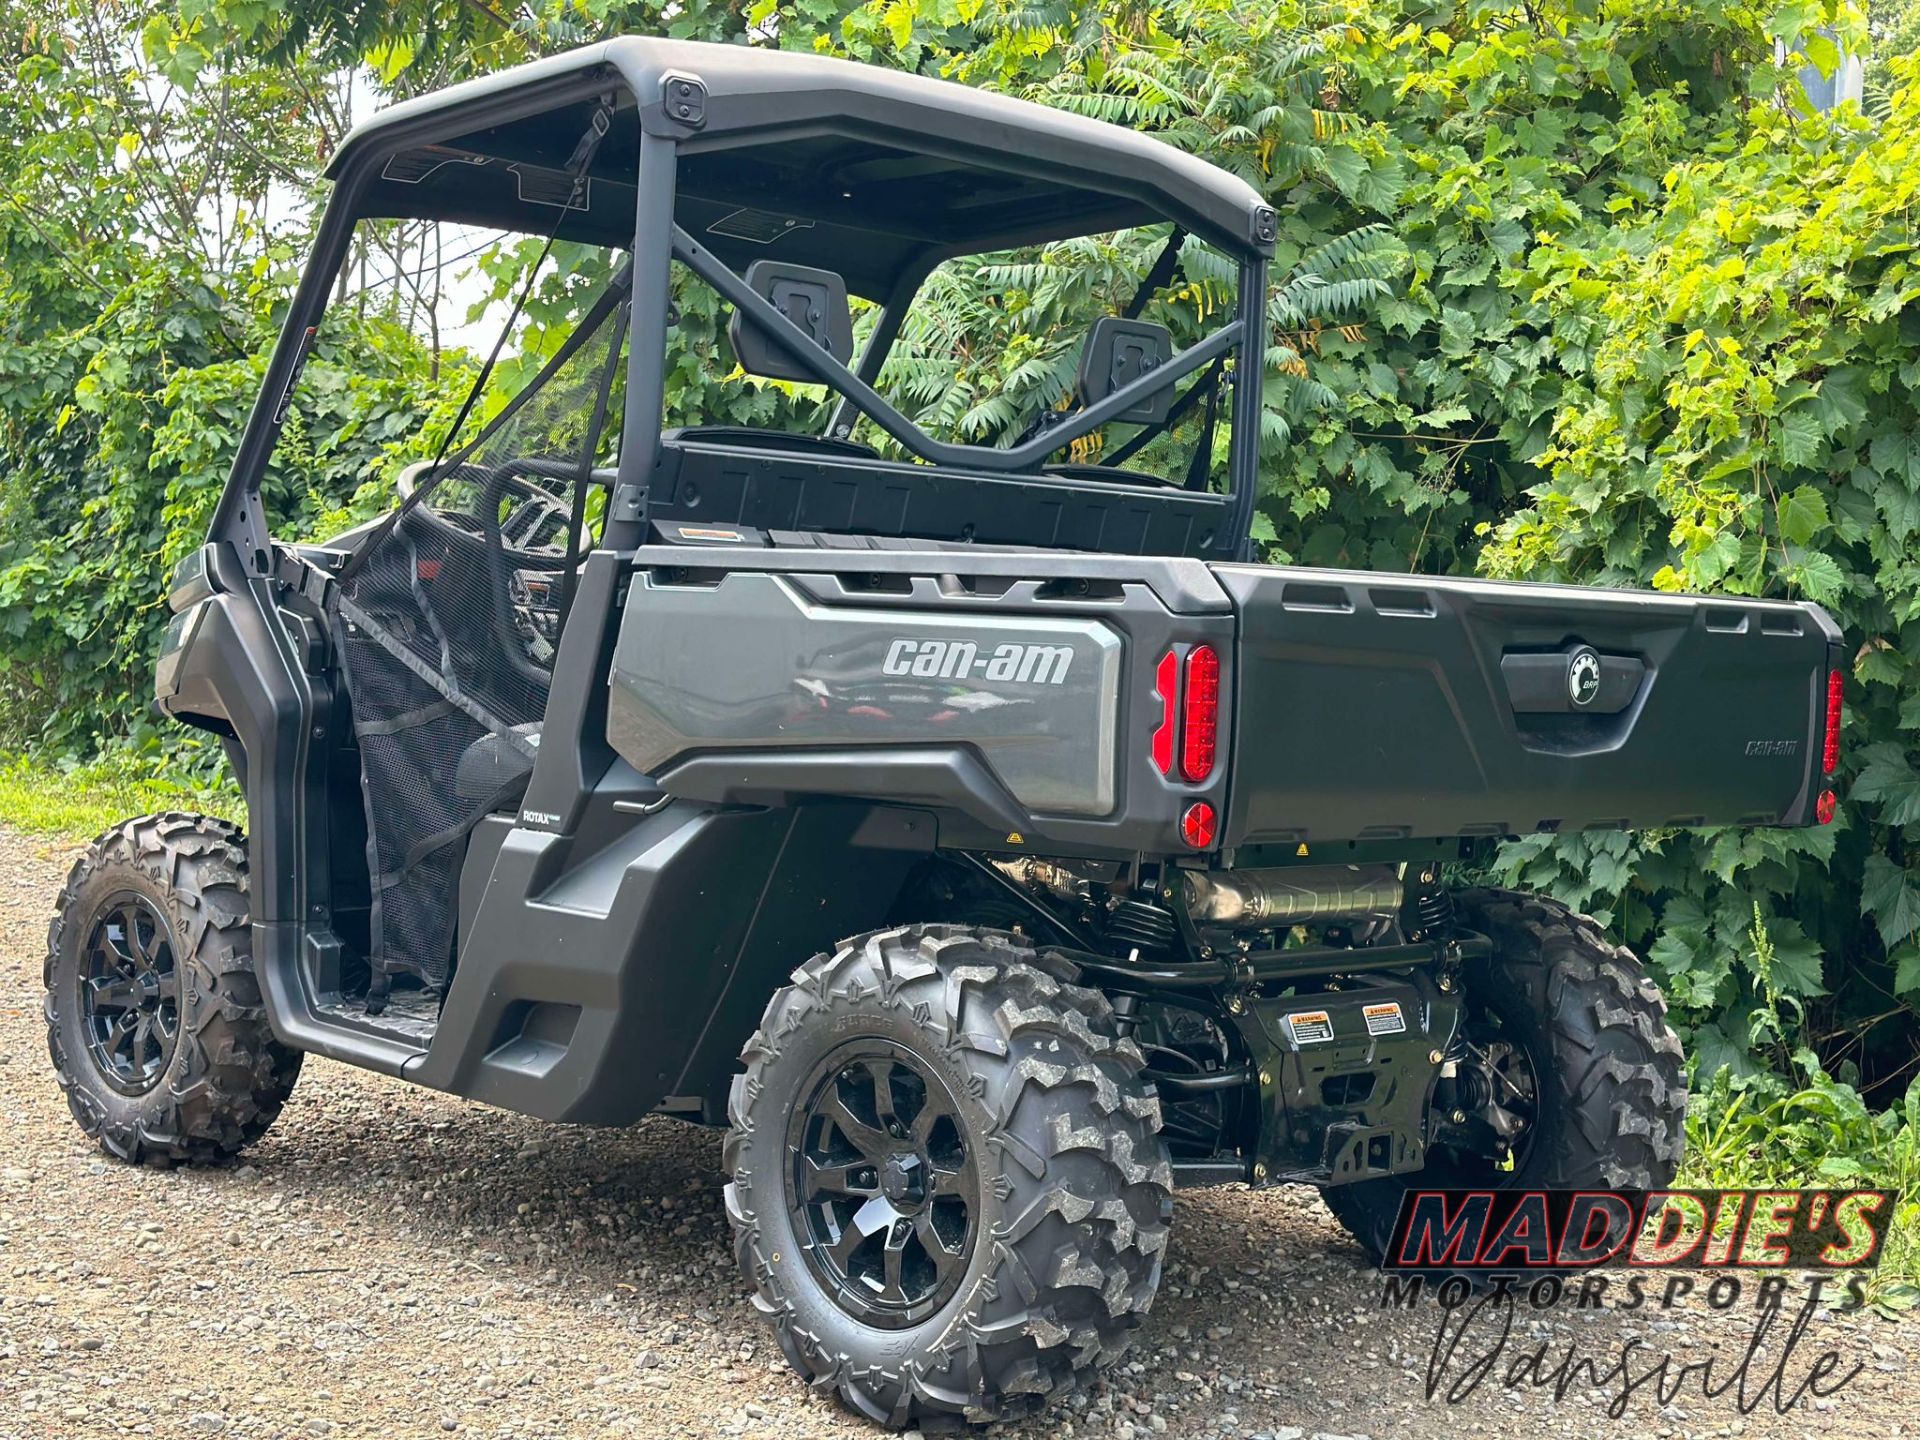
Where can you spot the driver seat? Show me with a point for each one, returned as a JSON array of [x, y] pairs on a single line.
[[493, 772], [493, 769]]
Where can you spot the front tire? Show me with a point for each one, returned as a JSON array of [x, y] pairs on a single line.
[[1611, 1077], [154, 1019], [948, 1190]]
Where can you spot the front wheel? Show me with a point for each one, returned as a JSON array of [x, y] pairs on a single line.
[[1573, 1036], [154, 1018], [948, 1188]]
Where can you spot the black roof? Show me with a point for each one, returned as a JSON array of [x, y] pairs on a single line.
[[871, 172]]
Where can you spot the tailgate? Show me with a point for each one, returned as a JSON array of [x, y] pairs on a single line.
[[1387, 707]]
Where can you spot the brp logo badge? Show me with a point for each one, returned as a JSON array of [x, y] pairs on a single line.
[[1583, 676]]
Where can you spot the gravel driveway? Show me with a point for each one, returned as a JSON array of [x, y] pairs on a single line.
[[389, 1262]]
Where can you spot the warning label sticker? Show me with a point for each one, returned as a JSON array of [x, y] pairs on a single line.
[[1385, 1018], [1310, 1027]]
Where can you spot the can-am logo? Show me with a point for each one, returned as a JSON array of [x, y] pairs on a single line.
[[966, 660]]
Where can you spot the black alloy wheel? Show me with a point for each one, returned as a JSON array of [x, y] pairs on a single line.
[[156, 1027], [883, 1183], [946, 1180], [130, 993]]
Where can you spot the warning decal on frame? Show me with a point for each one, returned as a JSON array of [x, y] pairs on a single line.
[[1310, 1027], [1385, 1019]]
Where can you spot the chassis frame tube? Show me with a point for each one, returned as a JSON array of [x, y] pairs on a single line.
[[1265, 966]]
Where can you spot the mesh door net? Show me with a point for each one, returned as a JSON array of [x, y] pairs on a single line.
[[447, 623]]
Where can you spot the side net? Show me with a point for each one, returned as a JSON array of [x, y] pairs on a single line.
[[447, 622]]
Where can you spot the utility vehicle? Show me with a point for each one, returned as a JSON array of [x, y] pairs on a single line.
[[967, 824]]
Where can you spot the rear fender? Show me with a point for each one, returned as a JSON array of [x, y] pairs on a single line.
[[595, 987]]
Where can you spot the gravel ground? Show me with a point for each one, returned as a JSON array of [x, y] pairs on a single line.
[[390, 1262]]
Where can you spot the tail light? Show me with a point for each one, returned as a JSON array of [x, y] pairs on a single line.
[[1199, 713], [1828, 803], [1830, 756], [1186, 742]]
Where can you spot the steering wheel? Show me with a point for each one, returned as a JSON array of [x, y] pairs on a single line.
[[478, 535]]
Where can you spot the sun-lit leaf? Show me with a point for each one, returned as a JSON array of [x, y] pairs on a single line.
[[1803, 514]]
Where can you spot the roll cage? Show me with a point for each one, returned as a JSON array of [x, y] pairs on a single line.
[[715, 156]]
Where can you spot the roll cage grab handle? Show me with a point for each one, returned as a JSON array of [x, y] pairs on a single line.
[[804, 350]]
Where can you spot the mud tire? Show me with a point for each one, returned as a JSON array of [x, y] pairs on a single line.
[[226, 1076], [1614, 1091], [1075, 1187]]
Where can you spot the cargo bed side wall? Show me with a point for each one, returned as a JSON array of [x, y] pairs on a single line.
[[1012, 694]]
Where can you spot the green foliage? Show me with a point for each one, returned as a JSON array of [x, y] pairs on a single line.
[[1815, 1131], [1798, 1125], [1895, 27], [1564, 291], [142, 288], [1742, 422]]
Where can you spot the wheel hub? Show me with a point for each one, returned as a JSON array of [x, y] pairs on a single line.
[[901, 1179], [1496, 1098], [130, 993], [883, 1184]]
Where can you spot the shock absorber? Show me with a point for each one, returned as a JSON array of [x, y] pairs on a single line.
[[1142, 924], [1428, 912]]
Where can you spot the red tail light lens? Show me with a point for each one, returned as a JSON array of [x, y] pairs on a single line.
[[1830, 756], [1166, 686], [1200, 713], [1824, 807]]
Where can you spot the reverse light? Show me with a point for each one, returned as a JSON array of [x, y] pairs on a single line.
[[1166, 686], [1830, 755], [1198, 825], [1200, 713]]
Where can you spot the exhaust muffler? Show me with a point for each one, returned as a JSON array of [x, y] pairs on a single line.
[[1273, 899]]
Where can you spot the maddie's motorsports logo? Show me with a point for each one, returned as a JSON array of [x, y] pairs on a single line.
[[1481, 1257]]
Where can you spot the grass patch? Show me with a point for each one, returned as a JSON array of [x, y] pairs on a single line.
[[1768, 1133], [79, 802]]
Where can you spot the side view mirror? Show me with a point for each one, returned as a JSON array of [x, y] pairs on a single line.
[[814, 300], [1120, 351]]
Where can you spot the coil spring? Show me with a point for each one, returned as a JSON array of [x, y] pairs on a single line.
[[1141, 923], [1432, 906]]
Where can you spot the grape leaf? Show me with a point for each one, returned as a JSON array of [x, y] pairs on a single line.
[[1888, 776], [1803, 514], [1888, 893]]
